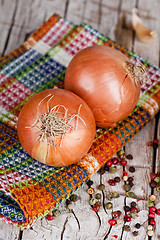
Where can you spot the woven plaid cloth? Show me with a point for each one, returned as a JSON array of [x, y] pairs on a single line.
[[29, 189]]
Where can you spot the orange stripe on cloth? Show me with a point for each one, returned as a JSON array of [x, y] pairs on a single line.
[[35, 201]]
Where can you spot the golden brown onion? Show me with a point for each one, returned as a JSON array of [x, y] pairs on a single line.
[[106, 80], [56, 127]]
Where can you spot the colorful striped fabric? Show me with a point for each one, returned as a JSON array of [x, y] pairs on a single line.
[[29, 189]]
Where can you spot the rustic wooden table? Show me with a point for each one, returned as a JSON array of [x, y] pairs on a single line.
[[18, 19]]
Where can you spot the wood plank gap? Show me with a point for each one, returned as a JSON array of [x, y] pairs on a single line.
[[20, 235], [100, 12], [66, 8], [10, 29]]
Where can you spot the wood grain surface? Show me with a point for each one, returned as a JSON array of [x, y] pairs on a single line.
[[18, 19]]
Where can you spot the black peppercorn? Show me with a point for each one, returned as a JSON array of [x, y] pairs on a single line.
[[117, 179], [135, 233], [153, 184], [127, 228], [133, 204], [127, 209], [106, 168], [130, 179], [101, 171], [132, 169], [89, 183], [138, 225], [129, 156], [68, 201], [131, 184]]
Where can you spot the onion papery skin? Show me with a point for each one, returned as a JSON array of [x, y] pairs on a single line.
[[100, 76], [63, 149]]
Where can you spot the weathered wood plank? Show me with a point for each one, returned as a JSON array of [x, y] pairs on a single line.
[[8, 232], [75, 11]]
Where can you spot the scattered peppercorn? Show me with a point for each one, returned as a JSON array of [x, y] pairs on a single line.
[[106, 168], [109, 205], [115, 160], [112, 222], [49, 217], [153, 176], [127, 187], [133, 204], [123, 162], [150, 204], [109, 163], [127, 228], [158, 211], [117, 179], [130, 179], [113, 170], [152, 222], [96, 208], [111, 182], [92, 201], [127, 218], [152, 209], [70, 206], [134, 209], [157, 179], [137, 225], [131, 184], [131, 194], [90, 191], [125, 178], [151, 215], [115, 195], [73, 197], [152, 198], [129, 157], [132, 169], [101, 171], [133, 215], [150, 233], [135, 233], [101, 187], [98, 196], [150, 227], [68, 201], [56, 212], [89, 183]]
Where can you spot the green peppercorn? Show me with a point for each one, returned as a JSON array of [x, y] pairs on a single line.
[[158, 189], [113, 170], [131, 194], [120, 152], [135, 233], [127, 228], [109, 197], [115, 195], [56, 212], [92, 201], [101, 187], [134, 215], [109, 205], [157, 179], [127, 187], [98, 203], [98, 195], [150, 204], [73, 197]]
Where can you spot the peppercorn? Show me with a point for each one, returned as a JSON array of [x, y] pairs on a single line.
[[96, 208], [127, 228], [112, 222], [133, 204], [70, 206], [117, 179], [150, 227], [129, 157], [125, 178], [109, 197], [133, 215], [106, 168], [120, 152], [131, 184], [132, 169], [49, 217], [98, 196], [111, 182], [151, 215], [137, 225], [127, 187], [115, 160], [150, 204], [158, 189], [131, 194], [115, 214], [90, 191], [98, 203], [101, 187], [150, 233], [115, 195], [73, 197], [157, 179], [152, 209], [109, 205], [153, 176], [113, 170], [155, 144], [123, 162], [130, 179], [134, 209], [153, 184], [125, 173], [68, 201], [135, 233], [89, 183], [56, 212], [127, 208], [109, 163], [92, 201], [127, 218], [158, 211], [152, 198], [152, 222]]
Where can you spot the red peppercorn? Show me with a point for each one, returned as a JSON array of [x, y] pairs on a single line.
[[134, 209], [125, 173], [153, 176], [150, 143], [96, 208], [152, 222], [109, 163], [123, 162], [111, 182], [112, 222], [158, 211], [49, 217], [151, 215], [115, 160], [127, 218], [115, 214], [152, 209], [155, 141]]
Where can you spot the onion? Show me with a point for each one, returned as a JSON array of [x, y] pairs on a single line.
[[107, 81], [56, 127]]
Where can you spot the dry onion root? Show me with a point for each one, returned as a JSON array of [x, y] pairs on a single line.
[[107, 81], [56, 127], [143, 33]]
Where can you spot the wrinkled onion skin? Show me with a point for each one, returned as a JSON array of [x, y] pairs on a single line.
[[73, 146], [98, 75]]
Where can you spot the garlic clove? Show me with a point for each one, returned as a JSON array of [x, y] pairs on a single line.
[[143, 33]]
